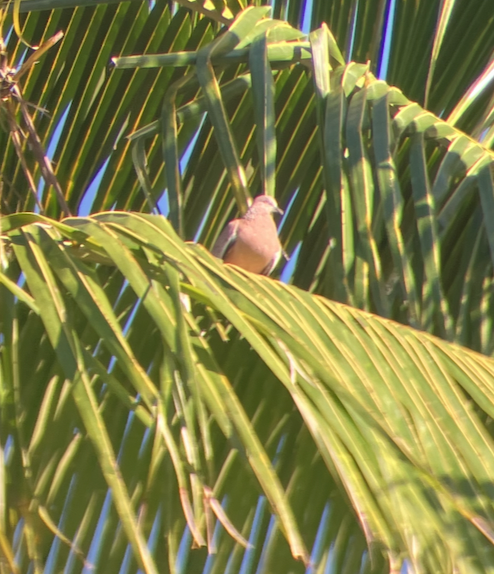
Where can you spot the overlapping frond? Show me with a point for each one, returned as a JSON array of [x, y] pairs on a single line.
[[161, 330]]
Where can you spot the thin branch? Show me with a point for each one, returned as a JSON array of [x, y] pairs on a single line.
[[25, 169], [39, 153]]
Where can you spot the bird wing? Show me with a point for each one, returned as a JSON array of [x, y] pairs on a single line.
[[226, 240], [272, 264]]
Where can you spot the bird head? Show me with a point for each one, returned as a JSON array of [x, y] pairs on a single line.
[[266, 203]]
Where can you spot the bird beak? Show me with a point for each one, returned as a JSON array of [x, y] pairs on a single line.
[[278, 210]]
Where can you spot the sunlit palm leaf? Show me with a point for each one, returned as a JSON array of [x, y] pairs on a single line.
[[380, 400], [392, 177]]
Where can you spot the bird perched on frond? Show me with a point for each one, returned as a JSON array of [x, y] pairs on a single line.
[[251, 242]]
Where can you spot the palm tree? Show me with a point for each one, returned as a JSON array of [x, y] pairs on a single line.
[[163, 412]]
